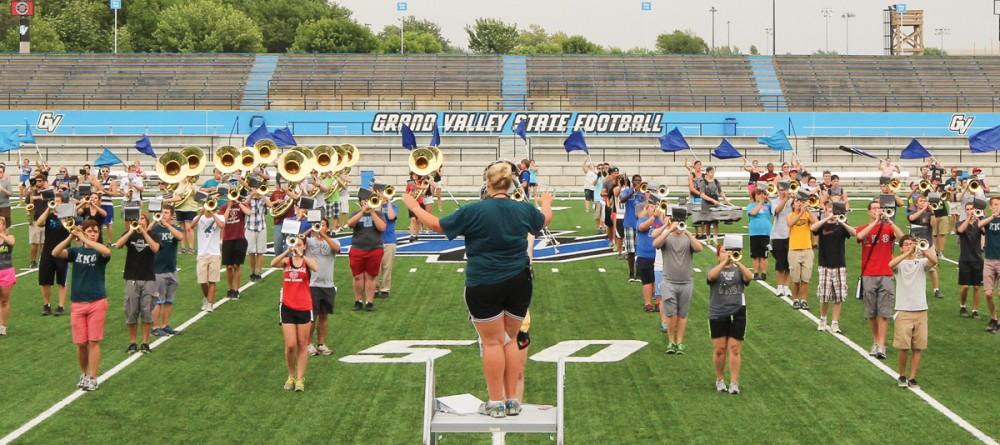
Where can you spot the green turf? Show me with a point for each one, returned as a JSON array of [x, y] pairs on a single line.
[[221, 381]]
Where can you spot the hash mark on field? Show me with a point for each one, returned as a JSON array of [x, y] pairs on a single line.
[[601, 270], [460, 270], [697, 270], [554, 270], [412, 270]]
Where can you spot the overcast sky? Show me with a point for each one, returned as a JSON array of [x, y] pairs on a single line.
[[623, 24]]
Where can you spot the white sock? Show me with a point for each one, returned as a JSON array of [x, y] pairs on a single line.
[[822, 320]]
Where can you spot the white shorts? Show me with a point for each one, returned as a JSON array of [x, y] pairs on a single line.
[[345, 202], [256, 242]]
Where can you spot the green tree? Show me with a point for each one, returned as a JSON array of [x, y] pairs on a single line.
[[492, 36], [84, 27], [726, 51], [417, 37], [279, 20], [934, 52], [206, 26], [333, 36], [681, 42], [753, 50], [580, 45], [143, 16], [44, 38]]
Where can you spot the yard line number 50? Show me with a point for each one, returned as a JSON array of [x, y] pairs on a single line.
[[419, 351]]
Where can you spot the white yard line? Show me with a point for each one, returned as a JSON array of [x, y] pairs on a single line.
[[26, 272], [958, 420], [52, 410]]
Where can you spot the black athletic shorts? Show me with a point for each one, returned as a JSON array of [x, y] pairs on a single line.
[[588, 195], [780, 249], [491, 301], [620, 228], [234, 252], [644, 266], [323, 299], [292, 316], [758, 246], [52, 271], [733, 326], [607, 217], [970, 273], [186, 216]]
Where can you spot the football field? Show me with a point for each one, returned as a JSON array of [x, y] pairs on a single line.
[[220, 382]]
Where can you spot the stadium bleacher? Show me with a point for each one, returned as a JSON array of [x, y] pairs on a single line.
[[124, 81]]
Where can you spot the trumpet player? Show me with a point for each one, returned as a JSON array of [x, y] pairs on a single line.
[[727, 313], [186, 208], [383, 283], [132, 186], [140, 280], [877, 238], [36, 233], [5, 193], [800, 252], [760, 215], [910, 321], [922, 219], [209, 226], [276, 199], [52, 270], [109, 189], [416, 187], [323, 250], [647, 221], [677, 248], [169, 236], [8, 276], [256, 231], [366, 251], [970, 261], [234, 244], [90, 208], [833, 232], [991, 265]]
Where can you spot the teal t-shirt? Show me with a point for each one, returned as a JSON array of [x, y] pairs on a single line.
[[166, 258], [496, 243], [992, 248], [221, 199], [88, 274]]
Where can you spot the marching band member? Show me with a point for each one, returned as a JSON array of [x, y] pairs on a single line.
[[51, 269], [922, 219], [366, 251], [256, 232], [781, 208], [991, 266], [696, 180], [168, 236], [760, 216], [711, 194], [140, 279], [278, 196], [234, 244], [877, 287], [602, 172], [413, 187], [970, 261], [8, 276], [800, 253], [296, 312], [609, 198], [648, 221], [727, 314], [209, 227], [90, 208], [754, 170], [36, 233], [832, 287], [323, 250], [942, 219], [677, 248], [24, 179], [910, 320], [618, 216], [383, 283], [132, 186], [109, 189], [498, 277], [589, 181], [186, 209], [630, 198], [5, 193], [89, 298], [211, 187], [345, 203]]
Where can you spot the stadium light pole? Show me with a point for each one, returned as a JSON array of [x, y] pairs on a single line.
[[941, 32], [767, 40], [728, 43], [827, 13], [847, 16], [713, 10], [774, 22]]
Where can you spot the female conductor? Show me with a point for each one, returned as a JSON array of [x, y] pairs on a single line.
[[498, 276]]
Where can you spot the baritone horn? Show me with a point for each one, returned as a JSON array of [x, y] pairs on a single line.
[[423, 161], [267, 151], [172, 167], [323, 157], [294, 166], [196, 160], [227, 159]]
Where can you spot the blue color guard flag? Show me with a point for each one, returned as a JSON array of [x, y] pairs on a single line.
[[409, 140], [915, 151], [673, 141], [777, 141], [725, 150], [258, 134], [435, 138], [522, 130], [28, 137], [575, 142], [144, 146], [985, 141], [9, 141], [857, 151], [283, 137], [107, 158]]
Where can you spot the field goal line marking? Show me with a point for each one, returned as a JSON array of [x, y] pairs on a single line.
[[958, 420], [52, 410]]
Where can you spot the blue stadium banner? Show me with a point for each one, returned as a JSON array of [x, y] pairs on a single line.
[[915, 151], [29, 137], [985, 141], [9, 141], [673, 141]]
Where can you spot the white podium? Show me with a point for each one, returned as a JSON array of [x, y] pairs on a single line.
[[533, 418]]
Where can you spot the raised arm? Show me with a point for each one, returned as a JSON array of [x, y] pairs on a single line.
[[432, 222]]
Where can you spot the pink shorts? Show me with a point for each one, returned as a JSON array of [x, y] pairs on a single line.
[[7, 277], [87, 320]]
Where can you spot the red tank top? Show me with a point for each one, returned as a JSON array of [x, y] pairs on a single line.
[[295, 288]]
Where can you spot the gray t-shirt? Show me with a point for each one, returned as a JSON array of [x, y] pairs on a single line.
[[677, 254], [366, 236], [779, 230], [320, 251], [5, 197], [726, 296], [911, 285]]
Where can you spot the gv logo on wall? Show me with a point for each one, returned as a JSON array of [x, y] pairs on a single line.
[[960, 123], [49, 121]]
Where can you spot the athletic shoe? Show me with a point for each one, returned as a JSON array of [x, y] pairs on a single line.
[[901, 382], [937, 294], [385, 294], [671, 348], [822, 327], [912, 383], [874, 351], [323, 350], [975, 315], [720, 386], [513, 407], [46, 310], [804, 305], [234, 294], [59, 311], [835, 328], [679, 349], [144, 348], [880, 354], [992, 327], [647, 308], [209, 307], [358, 305], [33, 265], [158, 332], [300, 385], [369, 307], [90, 385], [311, 350], [763, 276], [169, 330], [663, 328], [3, 331], [734, 389], [290, 383], [796, 304], [132, 348], [496, 410], [963, 312], [204, 304], [378, 294], [83, 381]]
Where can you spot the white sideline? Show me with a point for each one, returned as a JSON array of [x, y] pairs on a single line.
[[52, 410], [958, 420]]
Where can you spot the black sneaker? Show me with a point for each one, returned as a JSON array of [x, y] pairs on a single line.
[[378, 294], [763, 276], [33, 265], [358, 305], [937, 294], [369, 307], [235, 295], [963, 312], [796, 304], [46, 310], [385, 294], [991, 327], [756, 276], [804, 305], [912, 383], [901, 382], [132, 348], [975, 315], [144, 348], [880, 355], [59, 311]]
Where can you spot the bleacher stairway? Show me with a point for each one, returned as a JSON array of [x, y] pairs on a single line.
[[515, 82], [261, 73], [768, 85]]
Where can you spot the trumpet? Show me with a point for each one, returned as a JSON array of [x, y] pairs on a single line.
[[29, 208], [923, 245], [979, 213], [210, 204], [813, 201], [841, 218], [263, 190], [317, 226], [682, 226], [889, 213], [924, 186], [293, 240], [771, 189], [518, 195], [69, 223], [134, 225], [894, 185], [974, 186], [735, 256], [374, 201], [52, 205], [663, 191], [234, 193], [663, 205], [794, 187], [388, 192], [157, 217], [643, 187], [267, 151]]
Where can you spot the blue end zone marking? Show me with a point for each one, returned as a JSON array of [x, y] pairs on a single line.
[[571, 248]]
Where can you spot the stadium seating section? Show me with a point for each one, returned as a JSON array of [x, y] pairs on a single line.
[[474, 82]]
